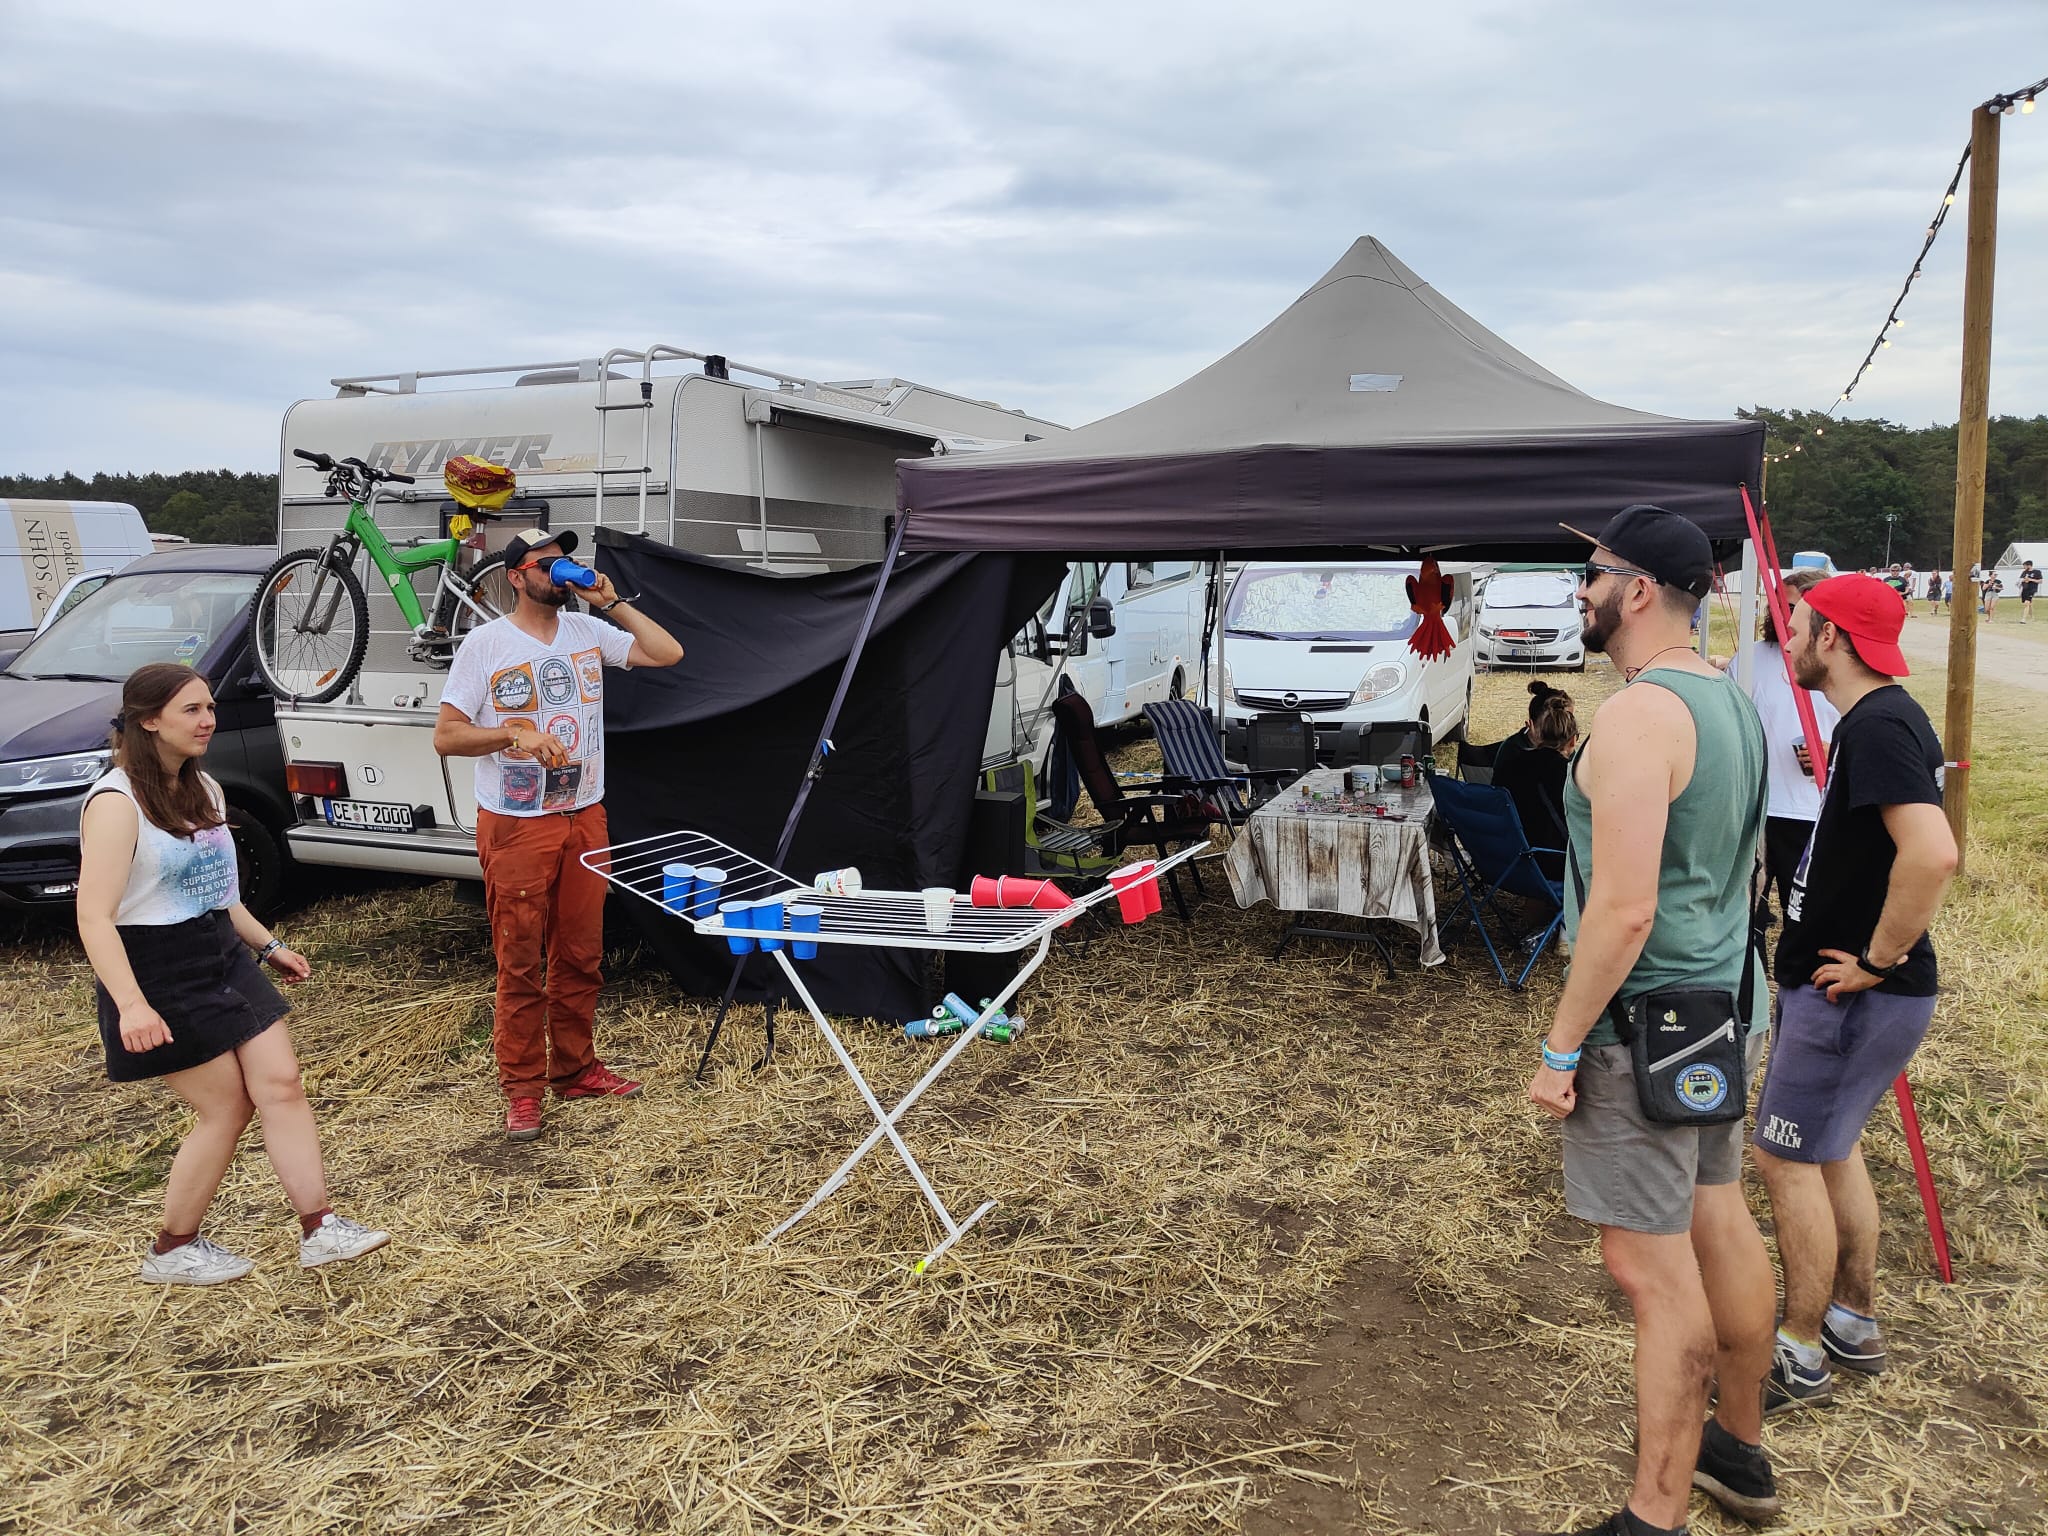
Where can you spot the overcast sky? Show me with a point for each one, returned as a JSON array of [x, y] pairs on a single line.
[[207, 210]]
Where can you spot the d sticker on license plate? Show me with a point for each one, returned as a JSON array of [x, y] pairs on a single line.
[[370, 815]]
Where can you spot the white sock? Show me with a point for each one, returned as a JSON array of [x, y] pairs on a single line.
[[1808, 1355], [1851, 1327]]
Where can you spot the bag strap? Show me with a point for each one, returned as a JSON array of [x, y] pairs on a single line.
[[1745, 995]]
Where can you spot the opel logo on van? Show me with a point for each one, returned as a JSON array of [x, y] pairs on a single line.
[[1290, 700]]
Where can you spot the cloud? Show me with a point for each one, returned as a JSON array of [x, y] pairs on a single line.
[[214, 209]]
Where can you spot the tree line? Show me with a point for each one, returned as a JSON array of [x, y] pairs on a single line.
[[1846, 487]]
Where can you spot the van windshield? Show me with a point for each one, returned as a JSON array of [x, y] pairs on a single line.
[[1320, 602], [134, 620], [1532, 589]]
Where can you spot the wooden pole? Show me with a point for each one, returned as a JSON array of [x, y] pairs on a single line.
[[1973, 429]]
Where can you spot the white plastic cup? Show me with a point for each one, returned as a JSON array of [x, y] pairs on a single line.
[[938, 908], [838, 882]]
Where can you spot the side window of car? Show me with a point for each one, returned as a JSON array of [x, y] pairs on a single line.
[[1138, 575]]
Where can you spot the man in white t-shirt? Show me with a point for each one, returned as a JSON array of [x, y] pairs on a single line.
[[525, 698]]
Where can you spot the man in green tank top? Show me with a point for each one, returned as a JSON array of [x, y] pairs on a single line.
[[1664, 816]]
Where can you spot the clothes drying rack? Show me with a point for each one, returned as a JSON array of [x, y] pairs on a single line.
[[878, 919]]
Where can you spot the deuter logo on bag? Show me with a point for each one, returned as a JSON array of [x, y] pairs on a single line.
[[1702, 1088]]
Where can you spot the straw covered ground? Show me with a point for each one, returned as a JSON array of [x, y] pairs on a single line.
[[1279, 1247]]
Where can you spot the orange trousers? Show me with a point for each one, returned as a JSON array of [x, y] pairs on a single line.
[[543, 906]]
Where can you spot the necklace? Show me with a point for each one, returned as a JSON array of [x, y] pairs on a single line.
[[1630, 674]]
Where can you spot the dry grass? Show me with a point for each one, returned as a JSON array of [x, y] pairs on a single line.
[[1279, 1246]]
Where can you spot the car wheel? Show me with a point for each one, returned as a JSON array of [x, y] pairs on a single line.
[[260, 861]]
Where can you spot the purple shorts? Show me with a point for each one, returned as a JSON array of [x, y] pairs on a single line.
[[1830, 1063]]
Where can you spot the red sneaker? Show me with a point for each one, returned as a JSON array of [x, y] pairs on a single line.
[[522, 1119], [598, 1081]]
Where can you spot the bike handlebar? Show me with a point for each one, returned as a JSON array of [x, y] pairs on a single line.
[[327, 462]]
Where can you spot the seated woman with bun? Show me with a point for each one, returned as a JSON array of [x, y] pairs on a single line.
[[1534, 777], [1522, 740]]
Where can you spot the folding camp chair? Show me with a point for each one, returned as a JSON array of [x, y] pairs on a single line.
[[1280, 743], [1383, 741], [1492, 857], [1475, 763], [1058, 847], [1193, 761], [1156, 821]]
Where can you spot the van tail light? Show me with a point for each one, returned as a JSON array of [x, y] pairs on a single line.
[[327, 780]]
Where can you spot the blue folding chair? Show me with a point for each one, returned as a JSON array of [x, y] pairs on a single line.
[[1492, 856]]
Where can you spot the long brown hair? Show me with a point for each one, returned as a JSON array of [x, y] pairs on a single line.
[[1552, 721], [1800, 579], [1540, 695], [179, 804]]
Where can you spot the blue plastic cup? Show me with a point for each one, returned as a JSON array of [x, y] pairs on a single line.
[[768, 919], [737, 914], [805, 920], [705, 889], [565, 572], [677, 881]]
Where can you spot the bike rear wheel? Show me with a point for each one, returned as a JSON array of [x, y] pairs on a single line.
[[309, 625], [490, 588]]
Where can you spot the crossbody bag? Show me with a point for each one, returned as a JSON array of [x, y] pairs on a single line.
[[1687, 1044]]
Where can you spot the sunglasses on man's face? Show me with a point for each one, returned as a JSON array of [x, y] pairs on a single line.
[[1595, 570]]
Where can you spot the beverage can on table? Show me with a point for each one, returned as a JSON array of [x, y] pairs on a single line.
[[1407, 770]]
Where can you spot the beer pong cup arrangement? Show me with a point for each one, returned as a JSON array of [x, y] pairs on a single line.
[[938, 908], [677, 883], [804, 919], [1137, 890]]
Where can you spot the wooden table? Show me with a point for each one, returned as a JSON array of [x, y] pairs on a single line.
[[1304, 859]]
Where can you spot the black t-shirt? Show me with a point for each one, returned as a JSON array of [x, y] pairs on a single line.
[[2030, 583], [1534, 778], [1884, 753]]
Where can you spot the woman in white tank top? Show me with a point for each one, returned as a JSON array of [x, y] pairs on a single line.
[[181, 994]]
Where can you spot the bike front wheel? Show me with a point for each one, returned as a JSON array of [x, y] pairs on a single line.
[[309, 625]]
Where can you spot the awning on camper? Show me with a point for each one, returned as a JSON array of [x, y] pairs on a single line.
[[1372, 413]]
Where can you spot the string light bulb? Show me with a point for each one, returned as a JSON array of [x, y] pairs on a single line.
[[1949, 201], [2027, 105]]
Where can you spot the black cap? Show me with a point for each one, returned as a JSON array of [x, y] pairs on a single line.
[[527, 540], [1663, 544]]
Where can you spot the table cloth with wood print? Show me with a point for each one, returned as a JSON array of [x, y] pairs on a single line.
[[1358, 865]]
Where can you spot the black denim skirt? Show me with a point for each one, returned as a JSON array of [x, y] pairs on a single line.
[[206, 984]]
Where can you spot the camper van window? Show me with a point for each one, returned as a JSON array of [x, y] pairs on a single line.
[[1172, 570], [158, 616], [1320, 603]]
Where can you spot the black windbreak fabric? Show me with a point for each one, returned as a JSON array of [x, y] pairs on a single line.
[[718, 744]]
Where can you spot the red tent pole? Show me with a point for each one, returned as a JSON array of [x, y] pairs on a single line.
[[1781, 618]]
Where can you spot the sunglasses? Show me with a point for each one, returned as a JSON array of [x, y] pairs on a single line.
[[1595, 570]]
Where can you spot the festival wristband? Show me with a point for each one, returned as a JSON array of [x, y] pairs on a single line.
[[1558, 1062], [269, 949]]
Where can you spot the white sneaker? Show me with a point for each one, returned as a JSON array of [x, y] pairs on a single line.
[[199, 1262], [338, 1238]]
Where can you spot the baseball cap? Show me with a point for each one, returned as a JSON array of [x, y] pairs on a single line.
[[1663, 544], [527, 540], [1868, 612]]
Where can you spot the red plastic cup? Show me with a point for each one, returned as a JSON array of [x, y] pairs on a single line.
[[1150, 885], [1016, 891], [1129, 885]]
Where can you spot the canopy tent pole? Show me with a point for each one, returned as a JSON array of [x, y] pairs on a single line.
[[811, 776], [1746, 615], [1222, 687], [1909, 1117], [1972, 442]]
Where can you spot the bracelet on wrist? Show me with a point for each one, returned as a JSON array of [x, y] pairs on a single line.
[[269, 949], [1560, 1061]]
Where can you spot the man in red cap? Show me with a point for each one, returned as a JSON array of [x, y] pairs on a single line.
[[1856, 981]]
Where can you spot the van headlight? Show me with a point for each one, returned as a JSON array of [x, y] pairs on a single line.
[[1382, 680], [39, 775]]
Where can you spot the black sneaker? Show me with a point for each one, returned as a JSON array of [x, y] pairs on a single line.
[[1735, 1476], [1794, 1385], [1866, 1358], [1613, 1525]]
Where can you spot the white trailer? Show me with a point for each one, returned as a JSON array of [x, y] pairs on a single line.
[[764, 471]]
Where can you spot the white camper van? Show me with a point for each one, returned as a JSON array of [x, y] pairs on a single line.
[[47, 545], [760, 470]]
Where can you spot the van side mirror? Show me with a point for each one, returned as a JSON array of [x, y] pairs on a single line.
[[1077, 633], [1101, 619]]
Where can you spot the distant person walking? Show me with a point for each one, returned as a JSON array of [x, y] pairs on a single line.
[[525, 698], [1664, 818], [1934, 590], [1991, 585], [2030, 588], [1856, 983], [175, 958]]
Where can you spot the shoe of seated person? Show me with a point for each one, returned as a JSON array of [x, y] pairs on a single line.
[[1867, 1358], [598, 1081], [199, 1262], [1735, 1476]]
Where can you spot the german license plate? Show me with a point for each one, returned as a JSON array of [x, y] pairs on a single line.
[[370, 815]]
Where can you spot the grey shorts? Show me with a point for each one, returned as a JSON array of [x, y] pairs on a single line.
[[1830, 1064], [1623, 1169]]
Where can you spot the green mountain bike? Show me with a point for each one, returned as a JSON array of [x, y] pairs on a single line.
[[310, 618]]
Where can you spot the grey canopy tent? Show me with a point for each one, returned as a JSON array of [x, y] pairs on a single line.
[[1372, 413]]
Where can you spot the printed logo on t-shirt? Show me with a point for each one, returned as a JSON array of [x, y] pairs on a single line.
[[565, 730], [557, 682], [590, 673], [562, 785], [513, 688], [519, 784], [509, 722], [205, 875]]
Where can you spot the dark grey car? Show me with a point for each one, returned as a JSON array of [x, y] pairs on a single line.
[[59, 694]]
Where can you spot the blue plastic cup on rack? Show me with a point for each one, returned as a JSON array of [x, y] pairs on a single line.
[[805, 919], [767, 920], [705, 891], [677, 883], [737, 914]]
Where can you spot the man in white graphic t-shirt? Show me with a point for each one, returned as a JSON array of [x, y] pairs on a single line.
[[525, 698]]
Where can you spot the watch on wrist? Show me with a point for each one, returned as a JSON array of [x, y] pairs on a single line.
[[1881, 972]]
